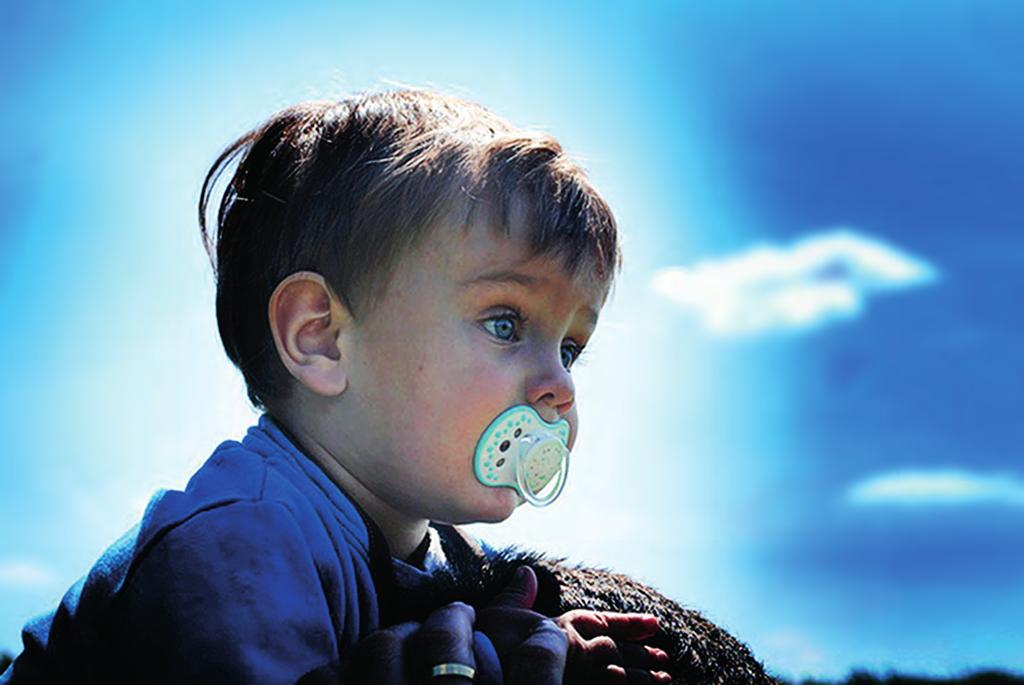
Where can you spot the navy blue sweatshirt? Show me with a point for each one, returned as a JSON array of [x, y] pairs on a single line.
[[261, 571]]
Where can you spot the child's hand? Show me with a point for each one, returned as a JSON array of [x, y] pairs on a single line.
[[604, 648]]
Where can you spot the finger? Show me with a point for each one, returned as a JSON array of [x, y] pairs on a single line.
[[502, 619], [638, 676], [380, 657], [445, 637], [506, 627], [488, 666], [521, 591], [601, 651], [597, 654], [540, 658], [642, 656], [616, 625]]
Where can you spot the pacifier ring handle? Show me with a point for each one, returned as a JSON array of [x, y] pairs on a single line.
[[530, 496], [536, 501]]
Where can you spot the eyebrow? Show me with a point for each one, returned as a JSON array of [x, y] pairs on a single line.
[[518, 278]]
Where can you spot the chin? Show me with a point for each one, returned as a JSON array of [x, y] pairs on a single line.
[[492, 505]]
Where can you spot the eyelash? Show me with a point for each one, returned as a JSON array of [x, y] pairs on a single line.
[[520, 322]]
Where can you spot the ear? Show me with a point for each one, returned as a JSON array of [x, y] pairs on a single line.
[[309, 324]]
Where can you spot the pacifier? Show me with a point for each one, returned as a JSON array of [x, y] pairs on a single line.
[[520, 450]]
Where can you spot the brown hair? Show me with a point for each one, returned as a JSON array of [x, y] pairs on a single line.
[[346, 188]]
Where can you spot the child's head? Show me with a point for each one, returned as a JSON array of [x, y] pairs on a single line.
[[395, 270]]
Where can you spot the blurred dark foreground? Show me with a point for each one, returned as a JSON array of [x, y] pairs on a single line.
[[976, 678], [856, 678]]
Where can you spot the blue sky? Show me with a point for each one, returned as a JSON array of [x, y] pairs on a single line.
[[801, 412]]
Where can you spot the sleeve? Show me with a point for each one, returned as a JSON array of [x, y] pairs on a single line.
[[232, 595]]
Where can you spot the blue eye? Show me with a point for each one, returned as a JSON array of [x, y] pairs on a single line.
[[570, 353], [504, 327]]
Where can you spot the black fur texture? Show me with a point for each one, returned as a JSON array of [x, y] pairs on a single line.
[[701, 652]]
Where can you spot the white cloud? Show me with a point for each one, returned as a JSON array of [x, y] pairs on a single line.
[[820, 278], [937, 487], [20, 573]]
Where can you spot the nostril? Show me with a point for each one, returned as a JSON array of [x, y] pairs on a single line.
[[565, 407]]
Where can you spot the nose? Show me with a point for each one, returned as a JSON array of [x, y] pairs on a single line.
[[551, 391]]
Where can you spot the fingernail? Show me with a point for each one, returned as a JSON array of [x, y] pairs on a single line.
[[663, 677]]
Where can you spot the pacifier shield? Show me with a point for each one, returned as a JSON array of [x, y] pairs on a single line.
[[522, 451]]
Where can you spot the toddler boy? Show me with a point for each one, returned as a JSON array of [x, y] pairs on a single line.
[[393, 272]]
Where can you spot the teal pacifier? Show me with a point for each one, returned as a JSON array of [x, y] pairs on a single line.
[[520, 450]]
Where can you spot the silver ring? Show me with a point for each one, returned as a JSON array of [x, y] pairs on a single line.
[[453, 669]]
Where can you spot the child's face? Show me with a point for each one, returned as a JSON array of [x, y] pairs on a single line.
[[470, 325]]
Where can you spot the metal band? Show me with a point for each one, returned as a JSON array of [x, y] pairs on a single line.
[[453, 669]]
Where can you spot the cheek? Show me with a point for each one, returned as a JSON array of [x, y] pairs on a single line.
[[442, 390], [450, 390], [468, 392]]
